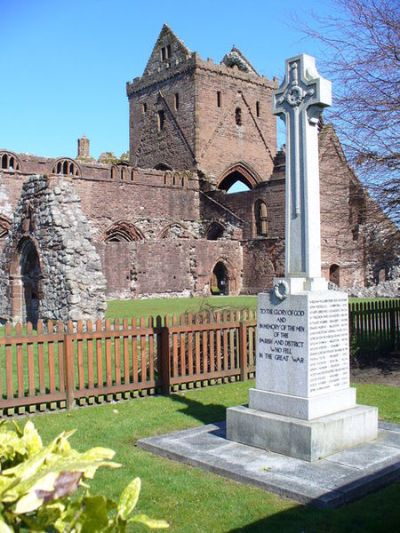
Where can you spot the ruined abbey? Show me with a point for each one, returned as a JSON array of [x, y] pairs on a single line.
[[74, 232]]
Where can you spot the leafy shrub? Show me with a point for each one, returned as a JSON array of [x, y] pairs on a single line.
[[37, 483]]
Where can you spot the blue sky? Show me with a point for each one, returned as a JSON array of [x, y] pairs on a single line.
[[65, 63]]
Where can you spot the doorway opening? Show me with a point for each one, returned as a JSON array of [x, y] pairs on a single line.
[[220, 280], [25, 281]]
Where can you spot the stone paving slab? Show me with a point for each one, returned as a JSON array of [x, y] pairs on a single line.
[[330, 482]]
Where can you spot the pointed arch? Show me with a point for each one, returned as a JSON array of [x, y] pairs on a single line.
[[215, 231], [5, 224], [162, 166], [26, 275], [175, 230], [123, 231], [238, 172], [219, 279]]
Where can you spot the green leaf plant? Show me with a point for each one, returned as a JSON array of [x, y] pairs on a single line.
[[43, 488]]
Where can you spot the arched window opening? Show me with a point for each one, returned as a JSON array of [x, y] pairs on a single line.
[[66, 167], [176, 101], [8, 161], [162, 166], [4, 227], [160, 119], [215, 231], [219, 280], [258, 109], [123, 172], [144, 108], [241, 175], [219, 99], [175, 231], [261, 218], [122, 232], [238, 116], [334, 274], [235, 182], [114, 172]]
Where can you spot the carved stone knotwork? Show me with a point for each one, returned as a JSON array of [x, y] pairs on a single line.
[[299, 102]]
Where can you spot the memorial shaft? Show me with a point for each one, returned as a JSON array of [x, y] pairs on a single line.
[[299, 102]]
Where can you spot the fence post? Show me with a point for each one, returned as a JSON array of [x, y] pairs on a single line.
[[243, 350], [164, 359], [393, 332], [69, 365]]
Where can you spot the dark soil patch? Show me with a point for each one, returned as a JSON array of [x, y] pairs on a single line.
[[384, 371]]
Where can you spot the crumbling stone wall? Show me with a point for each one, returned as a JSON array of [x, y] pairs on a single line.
[[170, 267], [342, 230], [71, 285]]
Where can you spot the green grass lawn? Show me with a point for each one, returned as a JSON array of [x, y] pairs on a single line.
[[165, 306], [196, 501]]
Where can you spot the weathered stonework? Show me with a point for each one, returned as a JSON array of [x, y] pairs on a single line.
[[165, 223], [63, 279]]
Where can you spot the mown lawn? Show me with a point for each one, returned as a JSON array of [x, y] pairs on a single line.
[[196, 501], [178, 306], [163, 306]]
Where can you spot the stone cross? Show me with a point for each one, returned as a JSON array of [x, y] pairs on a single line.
[[299, 102]]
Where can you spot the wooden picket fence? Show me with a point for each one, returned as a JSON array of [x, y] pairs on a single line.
[[375, 327], [61, 365]]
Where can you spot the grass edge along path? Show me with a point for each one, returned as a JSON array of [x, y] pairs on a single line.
[[192, 500]]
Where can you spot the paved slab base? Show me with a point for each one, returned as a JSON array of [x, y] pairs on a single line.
[[330, 482]]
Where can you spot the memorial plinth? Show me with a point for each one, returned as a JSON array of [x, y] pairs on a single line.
[[302, 405]]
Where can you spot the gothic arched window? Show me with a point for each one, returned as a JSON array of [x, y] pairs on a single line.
[[261, 218], [9, 161], [66, 167]]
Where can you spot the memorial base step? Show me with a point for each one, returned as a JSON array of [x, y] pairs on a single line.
[[309, 440], [303, 408]]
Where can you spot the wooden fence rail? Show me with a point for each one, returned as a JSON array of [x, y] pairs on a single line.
[[61, 364], [375, 326], [64, 364]]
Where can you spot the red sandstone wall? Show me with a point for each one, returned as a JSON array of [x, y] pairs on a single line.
[[174, 144], [150, 208], [242, 204], [219, 141], [338, 246], [168, 267], [263, 259]]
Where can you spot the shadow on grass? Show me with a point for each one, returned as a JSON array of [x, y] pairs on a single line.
[[374, 513], [205, 413]]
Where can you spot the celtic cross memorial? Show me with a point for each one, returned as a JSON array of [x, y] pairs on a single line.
[[299, 102], [302, 405]]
